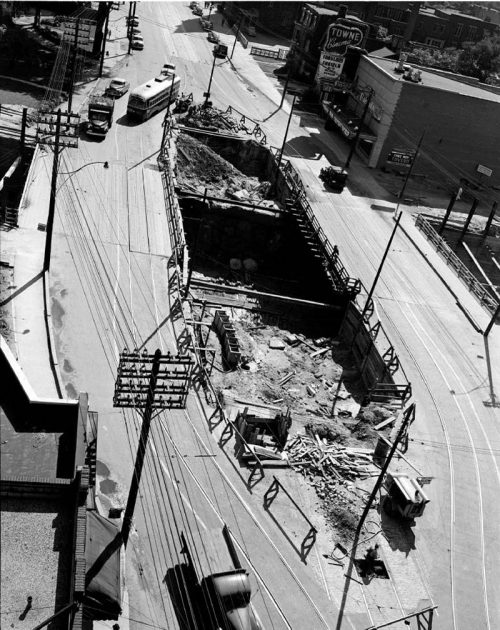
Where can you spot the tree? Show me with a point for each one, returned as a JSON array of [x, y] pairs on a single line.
[[482, 59]]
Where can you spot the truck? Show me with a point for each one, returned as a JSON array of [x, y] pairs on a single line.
[[405, 498], [100, 115]]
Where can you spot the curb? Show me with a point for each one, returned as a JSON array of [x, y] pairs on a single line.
[[54, 365], [468, 316]]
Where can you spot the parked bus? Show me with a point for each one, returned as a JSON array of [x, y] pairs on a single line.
[[151, 97]]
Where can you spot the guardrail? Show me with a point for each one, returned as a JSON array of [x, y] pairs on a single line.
[[480, 292], [348, 284]]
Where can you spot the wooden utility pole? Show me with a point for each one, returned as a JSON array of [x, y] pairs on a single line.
[[472, 210], [453, 199], [130, 25], [52, 201], [106, 24], [408, 416], [379, 270], [73, 66], [166, 387]]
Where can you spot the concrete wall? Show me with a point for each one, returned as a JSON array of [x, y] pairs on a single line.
[[460, 131], [386, 96]]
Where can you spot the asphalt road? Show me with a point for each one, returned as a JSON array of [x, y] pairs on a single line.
[[109, 280]]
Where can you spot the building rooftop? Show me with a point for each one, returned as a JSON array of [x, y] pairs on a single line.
[[36, 560], [466, 16], [437, 81], [321, 10]]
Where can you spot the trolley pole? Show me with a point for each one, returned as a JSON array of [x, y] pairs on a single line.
[[236, 38], [358, 131], [130, 27], [207, 93], [286, 134]]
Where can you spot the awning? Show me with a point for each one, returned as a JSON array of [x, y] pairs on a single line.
[[347, 123], [102, 554]]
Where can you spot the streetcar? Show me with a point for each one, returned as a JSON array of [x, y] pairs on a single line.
[[153, 96]]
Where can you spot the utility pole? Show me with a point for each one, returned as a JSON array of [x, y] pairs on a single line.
[[490, 219], [207, 93], [45, 135], [106, 24], [166, 387], [475, 203], [52, 201], [285, 88], [286, 134], [358, 131], [130, 26], [379, 270], [408, 415], [453, 199], [410, 170], [73, 66]]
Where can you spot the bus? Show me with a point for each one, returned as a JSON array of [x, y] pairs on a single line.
[[151, 97]]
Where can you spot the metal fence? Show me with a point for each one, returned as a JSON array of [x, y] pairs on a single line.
[[270, 53], [482, 293]]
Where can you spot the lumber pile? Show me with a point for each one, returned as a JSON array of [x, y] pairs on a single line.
[[330, 462]]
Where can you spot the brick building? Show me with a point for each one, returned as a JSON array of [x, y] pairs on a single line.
[[459, 116]]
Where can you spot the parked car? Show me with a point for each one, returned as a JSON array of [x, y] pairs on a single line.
[[207, 25], [193, 4], [117, 88], [135, 31], [168, 69], [213, 37], [137, 42], [198, 10], [133, 21]]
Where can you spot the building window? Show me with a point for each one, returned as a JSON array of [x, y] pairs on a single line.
[[438, 28], [437, 43], [458, 30], [390, 13]]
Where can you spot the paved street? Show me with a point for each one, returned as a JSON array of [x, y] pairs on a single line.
[[112, 287]]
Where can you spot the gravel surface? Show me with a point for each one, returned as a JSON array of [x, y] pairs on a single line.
[[36, 560]]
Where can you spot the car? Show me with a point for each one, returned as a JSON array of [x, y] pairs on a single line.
[[213, 37], [168, 69], [135, 31], [133, 21], [193, 4], [117, 87], [198, 10], [206, 25], [137, 42]]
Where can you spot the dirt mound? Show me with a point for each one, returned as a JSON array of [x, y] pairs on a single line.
[[200, 167]]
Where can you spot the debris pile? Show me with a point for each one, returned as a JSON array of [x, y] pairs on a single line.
[[330, 462], [199, 167], [213, 119]]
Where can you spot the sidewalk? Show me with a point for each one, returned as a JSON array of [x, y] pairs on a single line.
[[24, 248]]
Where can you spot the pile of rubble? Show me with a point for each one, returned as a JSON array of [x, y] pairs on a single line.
[[331, 462], [213, 119]]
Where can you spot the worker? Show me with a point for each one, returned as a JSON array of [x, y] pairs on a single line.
[[371, 557]]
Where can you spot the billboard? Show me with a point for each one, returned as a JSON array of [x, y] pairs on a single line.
[[330, 66]]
